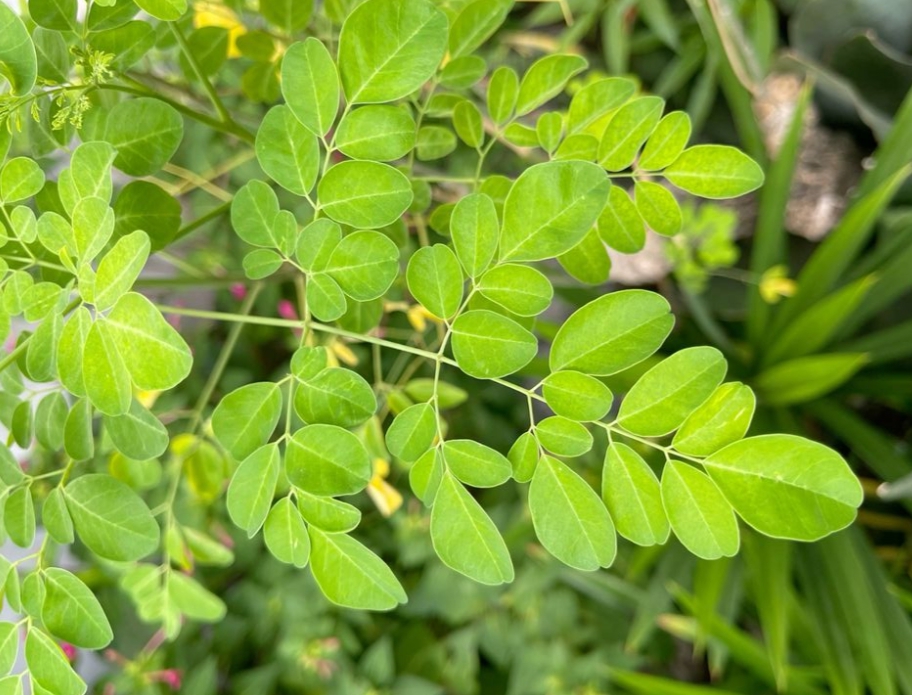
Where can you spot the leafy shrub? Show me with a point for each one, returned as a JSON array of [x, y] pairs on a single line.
[[468, 258]]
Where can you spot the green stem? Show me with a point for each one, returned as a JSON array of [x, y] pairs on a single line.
[[200, 75], [190, 227]]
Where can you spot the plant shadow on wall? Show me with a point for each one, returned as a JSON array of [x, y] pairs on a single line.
[[402, 220]]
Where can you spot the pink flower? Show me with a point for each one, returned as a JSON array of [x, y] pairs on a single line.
[[69, 651], [238, 291], [170, 677], [287, 310]]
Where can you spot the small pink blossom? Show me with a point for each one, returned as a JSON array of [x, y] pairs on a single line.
[[238, 291], [287, 310], [69, 651], [170, 677]]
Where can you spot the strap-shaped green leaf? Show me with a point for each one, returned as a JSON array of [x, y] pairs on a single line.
[[631, 492], [612, 333], [787, 486], [569, 518], [389, 48], [465, 538]]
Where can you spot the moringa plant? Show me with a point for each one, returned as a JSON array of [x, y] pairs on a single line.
[[379, 194]]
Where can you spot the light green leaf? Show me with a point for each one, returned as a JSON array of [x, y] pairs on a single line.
[[252, 488], [253, 213], [119, 268], [425, 476], [325, 298], [19, 517], [350, 575], [475, 464], [193, 600], [146, 132], [667, 141], [520, 289], [328, 514], [245, 419], [20, 178], [70, 349], [290, 16], [378, 133], [310, 85], [72, 613], [663, 397], [569, 518], [261, 263], [715, 171], [523, 456], [316, 243], [364, 264], [578, 146], [18, 61], [49, 420], [435, 279], [389, 48], [588, 261], [591, 105], [9, 646], [287, 151], [56, 519], [412, 432], [475, 24], [93, 225], [722, 419], [612, 333], [787, 486], [475, 228], [550, 209], [631, 492], [577, 396], [286, 534], [448, 395], [144, 205], [545, 79], [463, 72], [563, 436], [467, 122], [165, 10], [549, 128], [49, 667], [78, 440], [137, 434], [107, 380], [628, 130], [434, 142], [90, 170], [488, 345], [22, 423], [40, 299], [503, 91], [465, 538], [327, 460], [658, 207], [699, 515], [806, 378], [364, 194], [41, 358], [335, 396], [15, 291], [111, 519]]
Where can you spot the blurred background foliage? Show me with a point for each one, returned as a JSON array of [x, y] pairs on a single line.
[[805, 287]]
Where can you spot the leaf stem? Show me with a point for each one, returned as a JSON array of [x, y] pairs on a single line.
[[200, 75]]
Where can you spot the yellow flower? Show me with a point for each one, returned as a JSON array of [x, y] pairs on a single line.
[[385, 496], [210, 13], [418, 316], [340, 352], [775, 284], [147, 398]]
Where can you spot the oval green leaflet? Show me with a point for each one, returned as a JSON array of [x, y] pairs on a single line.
[[310, 85], [287, 151], [364, 194], [628, 130], [327, 460], [663, 397], [545, 79], [379, 133], [285, 534], [18, 61], [435, 279], [715, 171], [631, 492], [787, 486], [245, 419], [577, 396], [658, 208], [667, 141], [335, 396], [488, 345], [563, 437], [475, 228], [465, 538], [612, 333], [475, 464], [570, 520], [412, 432], [520, 289], [252, 488], [389, 48], [72, 613], [550, 209], [699, 514], [722, 419]]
